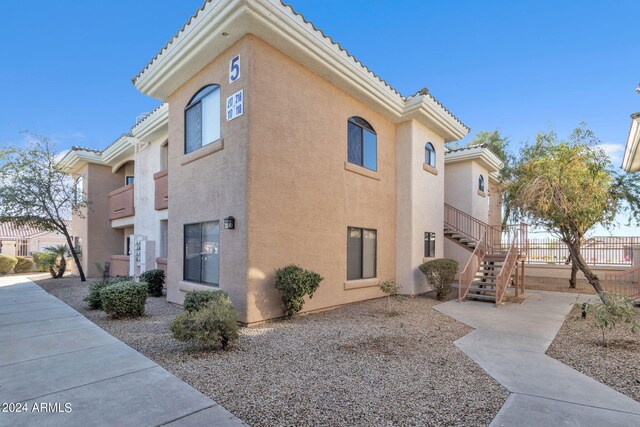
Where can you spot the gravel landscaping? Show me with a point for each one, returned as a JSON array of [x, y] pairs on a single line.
[[617, 365], [354, 365]]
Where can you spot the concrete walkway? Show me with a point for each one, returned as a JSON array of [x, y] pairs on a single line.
[[510, 344], [51, 354]]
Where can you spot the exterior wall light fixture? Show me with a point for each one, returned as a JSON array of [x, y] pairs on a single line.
[[229, 223]]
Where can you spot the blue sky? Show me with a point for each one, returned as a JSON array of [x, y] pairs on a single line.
[[514, 65]]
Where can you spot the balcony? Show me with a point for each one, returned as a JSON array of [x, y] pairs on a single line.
[[119, 265], [121, 203], [162, 190]]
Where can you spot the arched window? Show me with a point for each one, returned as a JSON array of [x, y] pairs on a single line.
[[481, 183], [430, 154], [202, 118], [362, 143]]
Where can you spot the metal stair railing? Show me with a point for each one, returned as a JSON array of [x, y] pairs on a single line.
[[468, 274]]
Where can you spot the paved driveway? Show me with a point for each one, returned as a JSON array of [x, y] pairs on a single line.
[[59, 369], [510, 344]]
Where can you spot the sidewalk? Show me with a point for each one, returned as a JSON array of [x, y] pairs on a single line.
[[510, 344], [52, 356]]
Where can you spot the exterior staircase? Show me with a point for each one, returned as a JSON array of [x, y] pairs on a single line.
[[495, 253]]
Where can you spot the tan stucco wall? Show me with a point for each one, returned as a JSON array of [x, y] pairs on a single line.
[[211, 187], [495, 204], [420, 199], [301, 198], [99, 240], [461, 192]]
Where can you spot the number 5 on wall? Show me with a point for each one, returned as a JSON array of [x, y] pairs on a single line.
[[234, 69]]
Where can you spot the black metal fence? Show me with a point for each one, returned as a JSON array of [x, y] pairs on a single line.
[[605, 250]]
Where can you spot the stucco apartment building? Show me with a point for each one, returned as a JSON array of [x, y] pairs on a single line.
[[273, 145]]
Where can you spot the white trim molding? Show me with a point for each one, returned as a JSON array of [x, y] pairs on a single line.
[[631, 160]]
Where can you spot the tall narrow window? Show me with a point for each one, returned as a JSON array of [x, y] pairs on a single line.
[[362, 143], [429, 244], [202, 119], [164, 238], [361, 253], [430, 154], [202, 252], [481, 183], [164, 156]]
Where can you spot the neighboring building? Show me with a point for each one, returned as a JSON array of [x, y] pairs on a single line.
[[24, 240], [275, 146]]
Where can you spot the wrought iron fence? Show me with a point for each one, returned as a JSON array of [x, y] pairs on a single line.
[[605, 250]]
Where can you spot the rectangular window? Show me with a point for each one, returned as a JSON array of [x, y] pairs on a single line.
[[164, 238], [361, 253], [128, 180], [370, 148], [355, 144], [127, 248], [429, 245], [202, 252]]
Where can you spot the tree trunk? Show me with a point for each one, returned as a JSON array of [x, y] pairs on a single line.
[[72, 249], [593, 279], [62, 267], [574, 273]]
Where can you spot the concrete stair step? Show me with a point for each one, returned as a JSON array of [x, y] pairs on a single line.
[[481, 297]]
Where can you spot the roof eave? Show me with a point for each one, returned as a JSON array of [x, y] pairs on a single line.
[[154, 126], [631, 159], [201, 40], [482, 155]]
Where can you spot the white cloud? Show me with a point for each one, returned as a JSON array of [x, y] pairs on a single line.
[[614, 151]]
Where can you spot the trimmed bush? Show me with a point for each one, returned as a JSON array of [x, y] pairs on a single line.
[[94, 299], [124, 299], [440, 274], [215, 324], [195, 300], [295, 283], [43, 260], [6, 264], [24, 265], [155, 281]]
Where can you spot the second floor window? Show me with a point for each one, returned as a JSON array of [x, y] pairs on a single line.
[[481, 183], [202, 119], [362, 144], [430, 155], [128, 180]]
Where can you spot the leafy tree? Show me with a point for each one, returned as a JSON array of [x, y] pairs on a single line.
[[34, 190], [497, 143], [567, 187]]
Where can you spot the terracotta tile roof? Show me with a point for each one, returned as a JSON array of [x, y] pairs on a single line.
[[9, 230], [423, 91], [470, 147], [94, 150]]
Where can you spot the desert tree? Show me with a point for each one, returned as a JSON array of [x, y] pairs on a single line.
[[36, 191], [567, 187]]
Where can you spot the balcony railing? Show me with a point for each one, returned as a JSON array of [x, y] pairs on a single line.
[[121, 202], [119, 265], [162, 190]]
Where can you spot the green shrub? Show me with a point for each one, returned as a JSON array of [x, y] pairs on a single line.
[[154, 280], [43, 260], [295, 283], [24, 265], [6, 264], [195, 300], [615, 310], [215, 324], [94, 299], [440, 274], [124, 299], [390, 288]]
